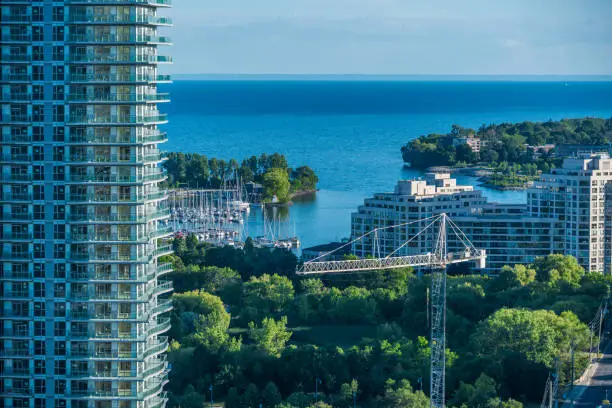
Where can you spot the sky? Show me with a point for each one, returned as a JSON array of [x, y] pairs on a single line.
[[391, 37]]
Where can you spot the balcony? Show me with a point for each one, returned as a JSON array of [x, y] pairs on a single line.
[[15, 158], [15, 236], [119, 19], [161, 327], [107, 238], [15, 352], [113, 218], [16, 118], [119, 78], [16, 256], [164, 268], [123, 98], [118, 39], [16, 58], [13, 197], [16, 294], [15, 38], [109, 258], [115, 198], [15, 97], [16, 139], [156, 3], [16, 275], [115, 178], [118, 119], [4, 77], [16, 178], [166, 249], [15, 19], [154, 137], [18, 217], [116, 59], [163, 306]]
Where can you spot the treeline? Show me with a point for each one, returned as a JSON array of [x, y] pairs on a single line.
[[272, 171], [505, 142], [247, 325]]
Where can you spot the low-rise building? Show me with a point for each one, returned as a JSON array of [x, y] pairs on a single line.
[[475, 143], [568, 211]]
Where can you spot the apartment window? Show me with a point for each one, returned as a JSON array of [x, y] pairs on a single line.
[[39, 328], [60, 386], [38, 134], [39, 347], [58, 33], [39, 231], [39, 289], [60, 367], [39, 212], [39, 251], [58, 54], [38, 73], [38, 53], [60, 329], [38, 92], [40, 386], [58, 134], [60, 403], [59, 271], [60, 310], [58, 73], [38, 113], [39, 270], [37, 14], [59, 251], [38, 33], [39, 367], [58, 113], [58, 92], [59, 193], [58, 14], [38, 153], [59, 232], [60, 348], [38, 172], [58, 173], [59, 212], [58, 153]]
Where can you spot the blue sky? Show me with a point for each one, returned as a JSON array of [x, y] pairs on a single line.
[[390, 37]]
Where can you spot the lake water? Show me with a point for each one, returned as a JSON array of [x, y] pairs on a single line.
[[350, 132]]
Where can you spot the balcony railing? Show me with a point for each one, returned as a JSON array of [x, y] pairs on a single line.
[[118, 78], [156, 137], [16, 139], [113, 59], [8, 196], [145, 2], [15, 236], [15, 18], [121, 19], [15, 77], [115, 38], [18, 58], [15, 158], [114, 178], [16, 38], [118, 119], [17, 275], [127, 97], [115, 198]]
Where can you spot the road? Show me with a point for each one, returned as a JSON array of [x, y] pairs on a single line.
[[592, 391]]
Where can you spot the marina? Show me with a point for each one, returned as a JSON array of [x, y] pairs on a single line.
[[222, 217]]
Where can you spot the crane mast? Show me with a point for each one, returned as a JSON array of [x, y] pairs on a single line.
[[438, 260]]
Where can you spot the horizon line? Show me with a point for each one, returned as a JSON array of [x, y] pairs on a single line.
[[416, 77]]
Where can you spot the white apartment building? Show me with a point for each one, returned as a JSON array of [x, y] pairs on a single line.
[[568, 211]]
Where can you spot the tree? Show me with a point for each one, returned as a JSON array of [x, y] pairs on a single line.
[[271, 396], [268, 293], [232, 400], [250, 398], [556, 267], [203, 317], [400, 395], [276, 184], [510, 277], [536, 335], [271, 336]]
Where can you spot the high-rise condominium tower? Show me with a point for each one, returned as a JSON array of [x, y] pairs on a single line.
[[82, 217]]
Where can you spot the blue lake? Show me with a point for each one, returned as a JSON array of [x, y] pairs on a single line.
[[350, 132]]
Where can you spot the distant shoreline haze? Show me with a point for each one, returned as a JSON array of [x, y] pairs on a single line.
[[416, 78]]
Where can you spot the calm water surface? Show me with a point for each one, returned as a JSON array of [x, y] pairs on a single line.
[[350, 133]]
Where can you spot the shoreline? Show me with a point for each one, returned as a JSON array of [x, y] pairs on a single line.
[[482, 173]]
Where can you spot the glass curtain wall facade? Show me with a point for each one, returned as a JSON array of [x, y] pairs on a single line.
[[83, 221]]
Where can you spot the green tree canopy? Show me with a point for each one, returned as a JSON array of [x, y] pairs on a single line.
[[271, 336]]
